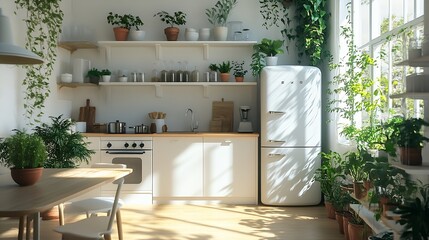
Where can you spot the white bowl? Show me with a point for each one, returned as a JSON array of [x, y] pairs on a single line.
[[191, 36], [66, 78]]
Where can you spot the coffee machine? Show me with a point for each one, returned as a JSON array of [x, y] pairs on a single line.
[[245, 124]]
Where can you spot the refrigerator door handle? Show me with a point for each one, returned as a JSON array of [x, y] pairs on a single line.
[[276, 112], [276, 141], [276, 155]]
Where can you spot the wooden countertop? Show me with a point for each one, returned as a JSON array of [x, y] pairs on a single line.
[[175, 134]]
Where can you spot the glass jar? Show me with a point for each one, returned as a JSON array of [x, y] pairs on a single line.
[[195, 75]]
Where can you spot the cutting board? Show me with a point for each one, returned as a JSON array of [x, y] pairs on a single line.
[[223, 111], [87, 114]]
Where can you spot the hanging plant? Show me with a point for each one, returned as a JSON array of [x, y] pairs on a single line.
[[309, 30], [43, 21]]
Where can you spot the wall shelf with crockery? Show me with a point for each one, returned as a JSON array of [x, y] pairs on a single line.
[[159, 45], [75, 45], [158, 85], [75, 85]]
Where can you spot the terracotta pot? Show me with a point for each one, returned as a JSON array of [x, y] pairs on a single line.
[[346, 217], [224, 77], [26, 176], [411, 156], [339, 217], [50, 214], [330, 210], [121, 34], [358, 190], [355, 231], [172, 33], [239, 79], [368, 185]]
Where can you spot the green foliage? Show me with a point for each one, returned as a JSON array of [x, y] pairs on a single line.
[[178, 18], [415, 216], [367, 138], [329, 172], [218, 15], [238, 68], [266, 47], [340, 198], [93, 72], [310, 29], [105, 72], [66, 149], [354, 165], [22, 150], [43, 20], [224, 67], [403, 132], [124, 21], [213, 67]]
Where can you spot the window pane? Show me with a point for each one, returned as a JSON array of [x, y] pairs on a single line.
[[361, 22], [380, 17], [419, 8]]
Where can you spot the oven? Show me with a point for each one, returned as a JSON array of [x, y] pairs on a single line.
[[135, 153]]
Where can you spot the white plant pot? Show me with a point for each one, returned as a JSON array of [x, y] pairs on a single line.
[[204, 34], [220, 33], [271, 61], [106, 78], [136, 35]]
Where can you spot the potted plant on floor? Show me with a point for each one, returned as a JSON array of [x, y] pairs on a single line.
[[356, 225], [218, 16], [405, 133], [265, 54], [65, 149], [177, 19], [224, 69], [354, 167], [25, 155], [239, 70], [122, 25]]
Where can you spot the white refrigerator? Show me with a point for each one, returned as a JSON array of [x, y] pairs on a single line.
[[290, 135]]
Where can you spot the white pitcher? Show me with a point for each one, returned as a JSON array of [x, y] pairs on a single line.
[[80, 69]]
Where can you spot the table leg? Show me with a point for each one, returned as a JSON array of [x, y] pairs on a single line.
[[36, 226]]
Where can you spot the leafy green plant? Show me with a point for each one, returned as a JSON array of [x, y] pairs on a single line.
[[22, 150], [213, 67], [354, 165], [93, 72], [105, 72], [218, 15], [265, 48], [238, 68], [124, 21], [224, 67], [340, 198], [178, 18], [415, 215], [44, 21], [329, 172], [65, 149]]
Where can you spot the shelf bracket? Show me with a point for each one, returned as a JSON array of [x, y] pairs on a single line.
[[158, 51], [108, 52], [158, 91], [206, 51]]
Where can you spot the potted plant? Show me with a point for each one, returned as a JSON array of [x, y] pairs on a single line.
[[354, 167], [224, 69], [122, 25], [94, 75], [136, 34], [340, 200], [218, 16], [178, 18], [25, 155], [239, 71], [356, 225], [106, 74], [415, 215], [405, 133], [265, 54], [213, 68]]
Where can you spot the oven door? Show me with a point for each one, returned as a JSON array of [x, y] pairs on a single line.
[[140, 161]]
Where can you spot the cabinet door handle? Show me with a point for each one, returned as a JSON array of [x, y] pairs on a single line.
[[276, 141], [276, 155], [276, 112]]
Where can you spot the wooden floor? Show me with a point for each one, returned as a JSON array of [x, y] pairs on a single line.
[[206, 222]]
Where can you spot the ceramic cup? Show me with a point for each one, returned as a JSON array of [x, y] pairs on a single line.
[[81, 127]]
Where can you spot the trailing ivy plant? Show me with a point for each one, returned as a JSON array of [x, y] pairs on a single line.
[[43, 21], [307, 26]]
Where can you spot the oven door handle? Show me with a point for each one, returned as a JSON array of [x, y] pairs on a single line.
[[125, 152]]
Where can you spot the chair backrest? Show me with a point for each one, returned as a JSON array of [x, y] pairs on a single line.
[[118, 189]]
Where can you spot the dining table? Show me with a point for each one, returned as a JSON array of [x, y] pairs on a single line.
[[56, 186]]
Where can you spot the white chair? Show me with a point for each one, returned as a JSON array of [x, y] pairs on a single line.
[[94, 226]]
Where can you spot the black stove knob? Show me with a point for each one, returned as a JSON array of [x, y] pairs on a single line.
[[126, 145], [134, 145], [109, 145], [141, 145]]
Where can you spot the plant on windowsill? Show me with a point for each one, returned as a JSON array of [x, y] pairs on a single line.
[[177, 19], [265, 54], [25, 155], [44, 21], [405, 133], [224, 69], [218, 16], [122, 24], [238, 70]]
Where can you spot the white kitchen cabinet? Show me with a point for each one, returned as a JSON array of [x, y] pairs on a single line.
[[177, 167], [230, 168], [94, 144]]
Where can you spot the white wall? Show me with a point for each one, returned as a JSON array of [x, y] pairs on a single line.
[[131, 105]]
